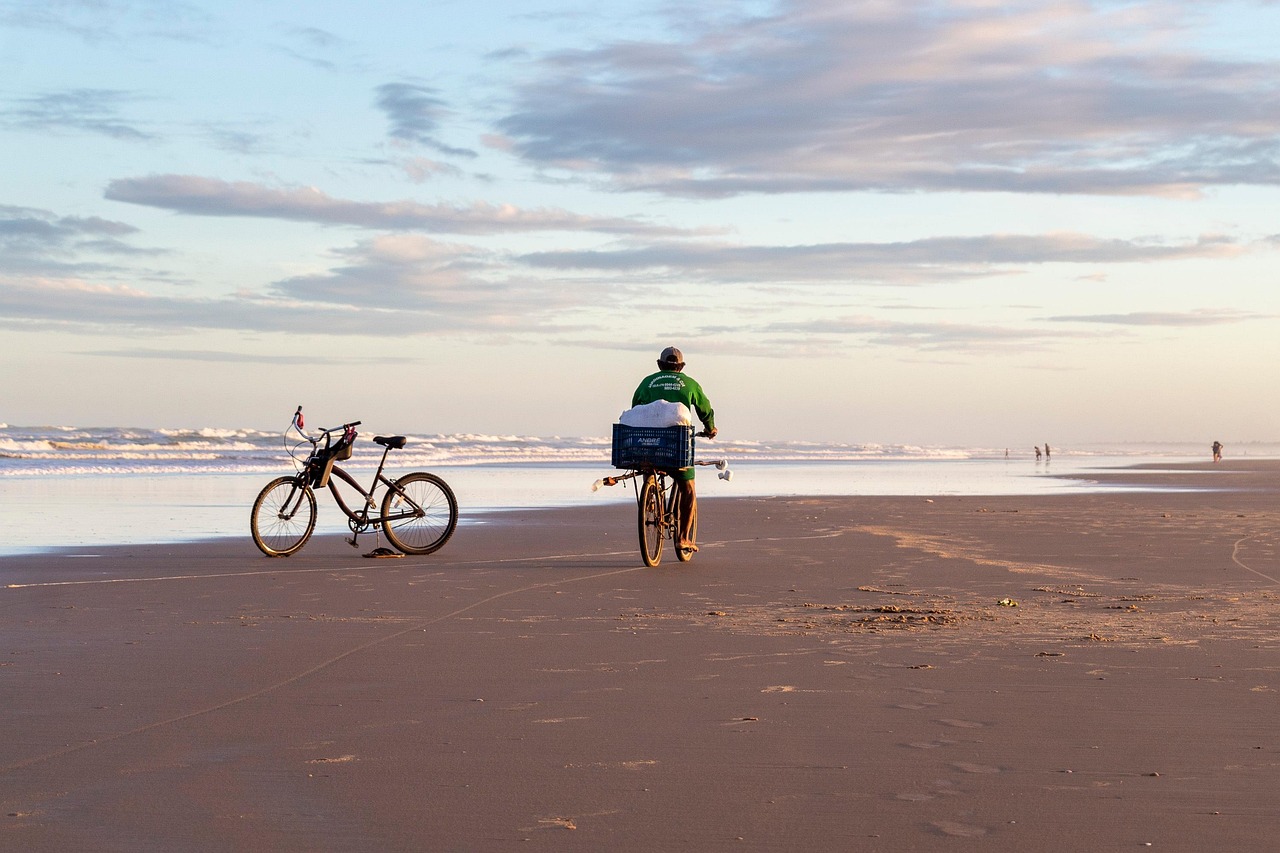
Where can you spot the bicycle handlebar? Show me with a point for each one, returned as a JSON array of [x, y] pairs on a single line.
[[298, 424]]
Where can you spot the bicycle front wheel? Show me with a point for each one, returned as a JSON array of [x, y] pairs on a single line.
[[419, 514], [651, 510], [283, 517]]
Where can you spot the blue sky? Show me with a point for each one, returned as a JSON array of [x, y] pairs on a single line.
[[964, 222]]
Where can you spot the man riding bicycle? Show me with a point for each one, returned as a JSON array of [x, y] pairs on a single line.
[[671, 384]]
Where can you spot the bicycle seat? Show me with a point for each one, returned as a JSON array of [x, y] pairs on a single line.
[[395, 442]]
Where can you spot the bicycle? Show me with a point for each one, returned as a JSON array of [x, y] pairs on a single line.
[[657, 496], [418, 511]]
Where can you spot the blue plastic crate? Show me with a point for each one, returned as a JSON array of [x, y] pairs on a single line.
[[657, 447]]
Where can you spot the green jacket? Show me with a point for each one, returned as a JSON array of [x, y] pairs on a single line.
[[676, 387]]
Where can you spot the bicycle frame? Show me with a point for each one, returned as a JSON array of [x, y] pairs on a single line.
[[639, 477], [359, 522], [362, 518]]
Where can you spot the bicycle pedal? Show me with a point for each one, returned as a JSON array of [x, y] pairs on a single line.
[[351, 540]]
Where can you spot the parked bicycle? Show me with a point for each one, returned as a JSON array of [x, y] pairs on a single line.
[[651, 454], [418, 511]]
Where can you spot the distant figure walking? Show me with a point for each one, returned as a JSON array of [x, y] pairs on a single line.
[[1037, 453], [1046, 450], [1217, 451]]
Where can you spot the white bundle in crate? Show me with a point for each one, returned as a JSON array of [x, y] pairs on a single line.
[[659, 413]]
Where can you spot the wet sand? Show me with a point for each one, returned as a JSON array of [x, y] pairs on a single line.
[[1091, 672]]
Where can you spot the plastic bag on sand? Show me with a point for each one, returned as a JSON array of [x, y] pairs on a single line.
[[659, 413]]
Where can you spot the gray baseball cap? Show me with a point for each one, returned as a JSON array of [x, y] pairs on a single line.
[[671, 355]]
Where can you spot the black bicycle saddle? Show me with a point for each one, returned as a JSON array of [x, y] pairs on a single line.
[[395, 442]]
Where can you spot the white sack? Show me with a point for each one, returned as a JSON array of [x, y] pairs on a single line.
[[659, 413]]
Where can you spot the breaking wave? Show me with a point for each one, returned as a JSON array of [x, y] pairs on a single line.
[[35, 451]]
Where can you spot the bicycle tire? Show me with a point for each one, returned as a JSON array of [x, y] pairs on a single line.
[[283, 517], [651, 512], [427, 531]]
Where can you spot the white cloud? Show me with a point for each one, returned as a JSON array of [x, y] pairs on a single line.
[[415, 113], [95, 111], [918, 336], [1171, 319], [201, 196], [929, 259], [41, 243], [831, 95], [389, 286], [43, 303]]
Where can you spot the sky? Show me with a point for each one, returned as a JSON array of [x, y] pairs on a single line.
[[942, 222]]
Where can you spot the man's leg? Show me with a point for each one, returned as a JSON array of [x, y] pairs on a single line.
[[688, 498]]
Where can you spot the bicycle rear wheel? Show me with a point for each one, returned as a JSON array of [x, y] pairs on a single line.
[[283, 517], [423, 518], [651, 510]]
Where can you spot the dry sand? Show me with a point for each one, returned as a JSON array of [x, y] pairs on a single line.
[[827, 674]]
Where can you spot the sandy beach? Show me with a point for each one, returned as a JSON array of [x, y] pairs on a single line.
[[1050, 673]]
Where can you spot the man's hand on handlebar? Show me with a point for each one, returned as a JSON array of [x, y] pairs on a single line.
[[709, 433]]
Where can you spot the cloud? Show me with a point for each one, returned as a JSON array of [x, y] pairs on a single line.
[[237, 140], [381, 293], [199, 196], [222, 357], [82, 110], [114, 22], [1172, 319], [910, 262], [415, 113], [918, 336], [316, 47], [73, 302], [393, 285], [828, 95], [421, 169], [400, 272], [38, 242]]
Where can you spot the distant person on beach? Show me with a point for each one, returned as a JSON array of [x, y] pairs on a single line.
[[1046, 451], [671, 384], [1217, 451], [1037, 452]]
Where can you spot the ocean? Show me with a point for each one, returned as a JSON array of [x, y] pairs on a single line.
[[77, 487]]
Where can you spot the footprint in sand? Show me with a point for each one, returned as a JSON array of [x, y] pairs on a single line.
[[963, 724], [916, 706], [955, 829], [557, 720], [929, 744], [975, 768]]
